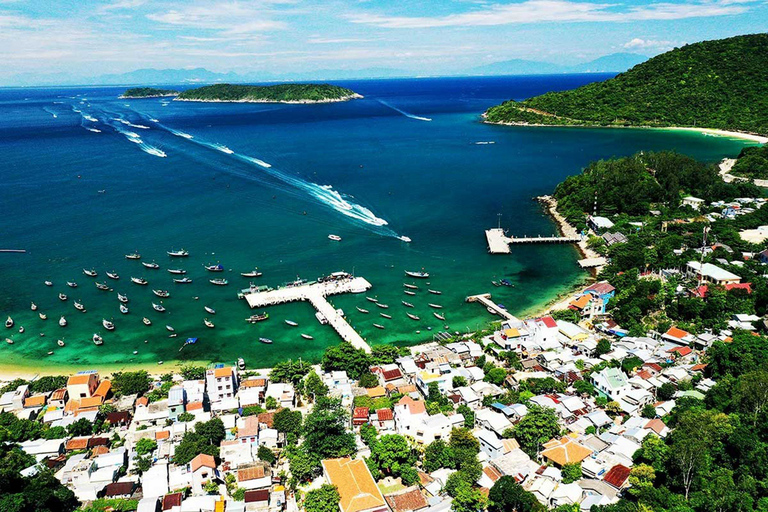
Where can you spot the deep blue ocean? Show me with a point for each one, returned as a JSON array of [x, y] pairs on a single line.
[[88, 177]]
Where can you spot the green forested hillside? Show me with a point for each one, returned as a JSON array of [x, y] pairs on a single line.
[[269, 93], [147, 92], [714, 84], [752, 163]]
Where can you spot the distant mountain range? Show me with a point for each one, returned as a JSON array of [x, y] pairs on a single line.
[[615, 62], [610, 63]]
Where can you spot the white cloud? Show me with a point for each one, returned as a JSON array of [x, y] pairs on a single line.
[[646, 44], [532, 11], [325, 40], [227, 17]]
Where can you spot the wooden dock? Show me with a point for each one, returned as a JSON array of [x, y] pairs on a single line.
[[498, 242], [485, 300], [315, 294]]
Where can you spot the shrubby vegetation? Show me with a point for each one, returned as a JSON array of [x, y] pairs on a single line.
[[280, 93], [147, 92], [752, 163], [715, 84]]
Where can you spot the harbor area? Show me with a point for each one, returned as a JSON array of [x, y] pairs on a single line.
[[492, 307], [315, 293], [499, 242]]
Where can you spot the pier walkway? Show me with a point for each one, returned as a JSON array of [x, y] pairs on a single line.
[[485, 300], [316, 294], [498, 242]]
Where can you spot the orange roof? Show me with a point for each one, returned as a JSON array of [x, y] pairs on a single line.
[[99, 450], [408, 388], [676, 333], [103, 388], [142, 401], [59, 394], [253, 383], [407, 501], [77, 443], [194, 406], [581, 302], [94, 401], [252, 473], [656, 425], [492, 473], [202, 460], [251, 427], [698, 367], [267, 418], [357, 489], [34, 401], [162, 434], [72, 405], [223, 372], [414, 406], [565, 451], [80, 378], [509, 445], [376, 392]]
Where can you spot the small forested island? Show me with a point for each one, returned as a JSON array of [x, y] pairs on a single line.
[[281, 93], [752, 163], [720, 84], [147, 92]]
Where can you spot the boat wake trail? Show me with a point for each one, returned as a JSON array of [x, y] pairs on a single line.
[[51, 112], [324, 194], [406, 114], [118, 124]]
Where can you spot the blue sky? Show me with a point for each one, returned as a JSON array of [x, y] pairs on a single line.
[[87, 38]]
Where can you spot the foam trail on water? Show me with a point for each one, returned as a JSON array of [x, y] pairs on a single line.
[[128, 123], [50, 112], [406, 114], [325, 194]]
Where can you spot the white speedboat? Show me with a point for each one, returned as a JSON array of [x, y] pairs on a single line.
[[9, 341], [63, 321], [219, 282], [183, 280], [107, 324], [122, 298], [214, 268], [102, 286], [62, 297], [48, 283], [113, 275], [169, 328], [139, 280], [335, 238], [79, 306], [72, 284], [404, 239], [90, 273], [153, 265], [241, 363], [291, 323], [133, 256], [158, 307], [252, 273], [177, 271], [33, 307], [181, 253], [146, 321], [208, 323], [163, 294], [266, 341], [209, 310], [420, 275], [97, 340], [123, 309]]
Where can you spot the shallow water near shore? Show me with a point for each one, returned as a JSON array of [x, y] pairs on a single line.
[[263, 185]]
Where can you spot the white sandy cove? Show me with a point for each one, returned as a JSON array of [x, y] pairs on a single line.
[[723, 133]]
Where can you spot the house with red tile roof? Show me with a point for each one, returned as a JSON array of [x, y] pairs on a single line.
[[359, 416], [679, 336], [203, 468], [617, 476], [358, 491], [407, 500]]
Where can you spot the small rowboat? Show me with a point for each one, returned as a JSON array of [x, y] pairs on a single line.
[[411, 286], [43, 316], [384, 315], [362, 310], [97, 340], [435, 292], [158, 307], [146, 321], [107, 324], [209, 310], [60, 343], [382, 306], [266, 341], [438, 315], [407, 304], [122, 298], [169, 328], [413, 317], [378, 326], [9, 341], [409, 292], [208, 323], [372, 299], [436, 306], [79, 306], [291, 323], [62, 297], [123, 309], [307, 336], [63, 322], [33, 307]]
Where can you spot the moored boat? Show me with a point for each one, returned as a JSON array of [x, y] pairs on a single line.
[[62, 297], [307, 336], [438, 315], [79, 306], [335, 238], [420, 274], [107, 324], [42, 316], [409, 292], [90, 273], [33, 307], [407, 304], [178, 271], [146, 321], [240, 363], [102, 286], [266, 341], [183, 280], [436, 306], [122, 298], [404, 239], [208, 323], [209, 310], [21, 329], [435, 292], [72, 284], [158, 307], [133, 256], [291, 323], [169, 328], [139, 280], [123, 309], [219, 282], [378, 326], [257, 318], [372, 299], [97, 340], [63, 322], [60, 343], [214, 268], [413, 317], [252, 273], [181, 253], [411, 286], [48, 283], [163, 294], [362, 310], [113, 275], [9, 341], [382, 306], [491, 310], [9, 323], [153, 265], [384, 315]]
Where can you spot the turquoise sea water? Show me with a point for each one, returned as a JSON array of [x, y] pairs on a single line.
[[337, 168]]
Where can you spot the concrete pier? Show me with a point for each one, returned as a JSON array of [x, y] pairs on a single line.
[[485, 300], [316, 294], [498, 242]]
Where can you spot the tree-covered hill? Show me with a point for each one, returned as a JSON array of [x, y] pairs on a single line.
[[282, 93], [147, 92], [714, 84], [752, 163]]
